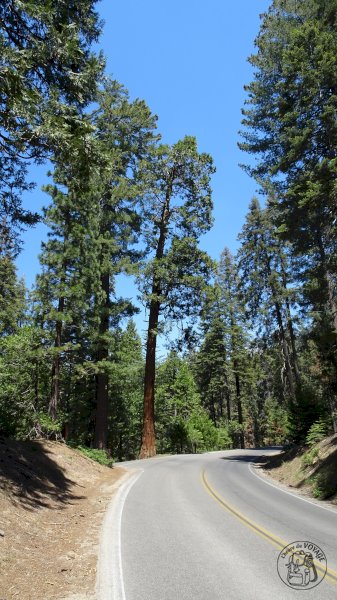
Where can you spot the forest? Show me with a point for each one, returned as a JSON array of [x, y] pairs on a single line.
[[251, 338]]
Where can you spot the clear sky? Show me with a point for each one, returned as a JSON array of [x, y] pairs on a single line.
[[188, 60]]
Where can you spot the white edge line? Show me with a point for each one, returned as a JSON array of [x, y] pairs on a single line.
[[109, 581], [278, 487]]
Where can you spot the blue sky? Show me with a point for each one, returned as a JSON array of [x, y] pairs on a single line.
[[188, 60]]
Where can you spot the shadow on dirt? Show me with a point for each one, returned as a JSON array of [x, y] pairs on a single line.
[[31, 478]]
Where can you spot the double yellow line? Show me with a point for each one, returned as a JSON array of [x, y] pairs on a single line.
[[261, 531]]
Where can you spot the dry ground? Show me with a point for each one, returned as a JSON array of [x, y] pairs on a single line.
[[52, 503]]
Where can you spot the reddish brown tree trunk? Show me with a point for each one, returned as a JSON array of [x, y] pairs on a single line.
[[148, 446]]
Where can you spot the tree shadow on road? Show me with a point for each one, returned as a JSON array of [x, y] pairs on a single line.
[[30, 476], [253, 455]]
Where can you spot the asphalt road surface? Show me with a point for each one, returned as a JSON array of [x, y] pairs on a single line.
[[208, 527]]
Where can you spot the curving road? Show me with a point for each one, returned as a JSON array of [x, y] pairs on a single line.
[[207, 527]]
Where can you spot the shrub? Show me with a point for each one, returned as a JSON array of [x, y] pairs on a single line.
[[317, 432], [322, 487], [100, 456], [308, 458]]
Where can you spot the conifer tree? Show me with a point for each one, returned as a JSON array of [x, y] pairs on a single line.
[[228, 281], [290, 127], [12, 291], [177, 210], [211, 366], [94, 227], [265, 287], [126, 393], [49, 74]]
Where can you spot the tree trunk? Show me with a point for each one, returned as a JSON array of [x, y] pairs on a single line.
[[239, 404], [291, 329], [228, 407], [148, 445], [237, 379], [285, 351], [56, 366], [282, 335], [102, 380], [331, 303]]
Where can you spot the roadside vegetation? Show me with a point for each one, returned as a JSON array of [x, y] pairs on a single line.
[[310, 468]]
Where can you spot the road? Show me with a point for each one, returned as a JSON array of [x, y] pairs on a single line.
[[208, 527]]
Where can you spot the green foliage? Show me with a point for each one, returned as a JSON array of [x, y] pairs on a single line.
[[276, 426], [199, 421], [100, 456], [126, 394], [182, 425], [12, 296], [308, 458], [23, 379], [290, 127], [322, 487], [317, 432], [47, 427], [225, 440], [302, 415], [176, 210], [48, 75]]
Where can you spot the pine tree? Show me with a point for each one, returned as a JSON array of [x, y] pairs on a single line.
[[125, 391], [211, 367], [126, 131], [95, 224], [228, 281], [49, 74], [265, 286], [290, 127], [182, 423], [177, 210], [12, 291]]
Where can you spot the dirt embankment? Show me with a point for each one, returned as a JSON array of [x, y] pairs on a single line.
[[310, 470], [52, 504]]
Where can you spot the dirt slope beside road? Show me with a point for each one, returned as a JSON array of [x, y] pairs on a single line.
[[52, 504], [310, 470]]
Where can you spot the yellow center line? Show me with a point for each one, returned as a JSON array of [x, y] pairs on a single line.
[[275, 541]]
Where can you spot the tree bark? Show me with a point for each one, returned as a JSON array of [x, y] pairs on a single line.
[[148, 445], [282, 335], [291, 329], [239, 404], [331, 303], [237, 379], [56, 366], [102, 380]]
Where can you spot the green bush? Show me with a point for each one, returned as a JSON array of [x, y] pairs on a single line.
[[100, 456], [308, 458], [45, 426], [224, 438], [321, 486], [317, 432]]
